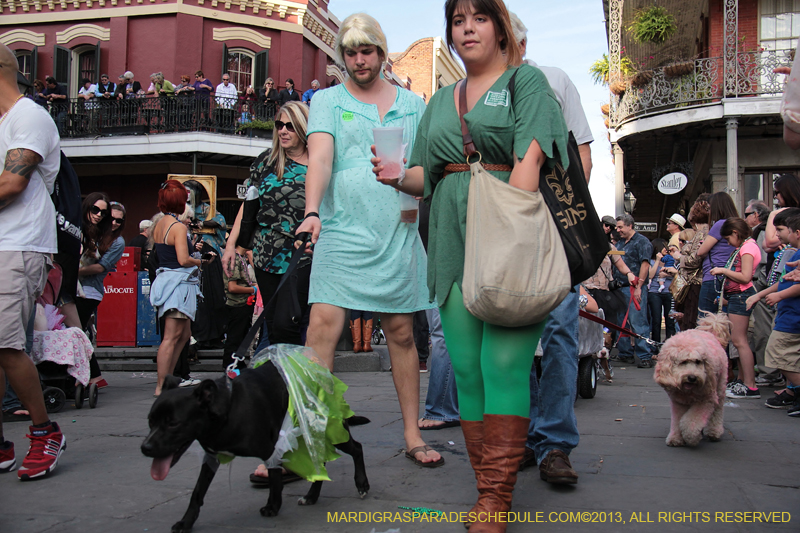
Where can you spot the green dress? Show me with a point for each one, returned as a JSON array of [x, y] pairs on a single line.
[[496, 127]]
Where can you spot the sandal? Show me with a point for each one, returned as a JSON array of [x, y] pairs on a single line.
[[444, 424], [411, 454], [16, 415], [263, 481]]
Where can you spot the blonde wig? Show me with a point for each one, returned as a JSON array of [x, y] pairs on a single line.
[[360, 29]]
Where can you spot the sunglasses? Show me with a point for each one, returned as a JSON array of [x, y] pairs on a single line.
[[97, 211], [117, 220], [748, 214], [279, 124]]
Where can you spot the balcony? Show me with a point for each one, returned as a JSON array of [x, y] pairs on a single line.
[[78, 118], [702, 82]]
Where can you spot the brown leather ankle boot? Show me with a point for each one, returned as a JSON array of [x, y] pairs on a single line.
[[473, 438], [504, 439], [366, 335], [355, 330]]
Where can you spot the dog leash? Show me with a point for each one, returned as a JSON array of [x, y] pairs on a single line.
[[297, 255], [621, 329]]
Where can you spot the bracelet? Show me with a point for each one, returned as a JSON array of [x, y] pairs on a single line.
[[311, 214]]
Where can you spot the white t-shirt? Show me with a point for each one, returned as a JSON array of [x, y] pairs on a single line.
[[570, 100], [28, 224], [226, 96]]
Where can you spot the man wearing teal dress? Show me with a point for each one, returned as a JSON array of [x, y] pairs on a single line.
[[364, 257]]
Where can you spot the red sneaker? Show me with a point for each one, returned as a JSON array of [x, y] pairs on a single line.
[[423, 366], [7, 460], [47, 444]]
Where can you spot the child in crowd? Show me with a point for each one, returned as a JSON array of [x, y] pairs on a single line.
[[783, 348], [240, 291]]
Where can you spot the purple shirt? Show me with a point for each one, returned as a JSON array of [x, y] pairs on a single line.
[[202, 92], [719, 254]]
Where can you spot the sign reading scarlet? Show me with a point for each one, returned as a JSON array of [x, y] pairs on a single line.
[[672, 183]]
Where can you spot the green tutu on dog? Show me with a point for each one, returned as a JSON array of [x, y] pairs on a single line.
[[314, 421]]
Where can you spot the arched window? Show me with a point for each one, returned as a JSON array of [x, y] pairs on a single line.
[[25, 63], [239, 65]]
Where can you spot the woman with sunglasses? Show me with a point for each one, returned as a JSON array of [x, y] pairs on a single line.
[[102, 248], [279, 175], [267, 98]]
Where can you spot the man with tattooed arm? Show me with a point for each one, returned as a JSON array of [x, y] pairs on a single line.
[[30, 154]]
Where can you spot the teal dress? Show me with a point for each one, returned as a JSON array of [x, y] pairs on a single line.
[[365, 258]]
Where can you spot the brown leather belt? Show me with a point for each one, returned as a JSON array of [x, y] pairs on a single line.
[[463, 167]]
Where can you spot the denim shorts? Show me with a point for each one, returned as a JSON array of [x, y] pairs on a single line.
[[737, 303]]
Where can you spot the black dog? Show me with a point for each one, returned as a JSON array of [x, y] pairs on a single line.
[[244, 420]]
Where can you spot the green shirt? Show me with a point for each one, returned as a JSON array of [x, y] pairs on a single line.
[[499, 131]]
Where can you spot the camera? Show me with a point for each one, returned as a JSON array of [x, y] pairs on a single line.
[[616, 284]]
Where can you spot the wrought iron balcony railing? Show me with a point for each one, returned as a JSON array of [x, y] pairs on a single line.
[[701, 83], [89, 118]]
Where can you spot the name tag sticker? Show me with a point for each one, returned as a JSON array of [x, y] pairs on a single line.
[[347, 116], [497, 99]]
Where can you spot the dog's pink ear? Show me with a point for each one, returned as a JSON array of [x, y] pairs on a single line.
[[171, 382]]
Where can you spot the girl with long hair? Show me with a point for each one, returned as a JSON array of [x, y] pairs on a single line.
[[738, 275], [715, 250]]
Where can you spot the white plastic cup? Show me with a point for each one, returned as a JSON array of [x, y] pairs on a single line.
[[409, 206], [389, 147]]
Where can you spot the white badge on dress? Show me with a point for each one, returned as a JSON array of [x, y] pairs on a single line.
[[497, 99]]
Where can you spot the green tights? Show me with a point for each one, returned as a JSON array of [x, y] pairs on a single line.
[[492, 363]]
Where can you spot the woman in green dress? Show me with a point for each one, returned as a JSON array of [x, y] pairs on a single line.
[[524, 132]]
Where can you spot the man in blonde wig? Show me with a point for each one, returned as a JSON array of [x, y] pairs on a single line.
[[365, 258]]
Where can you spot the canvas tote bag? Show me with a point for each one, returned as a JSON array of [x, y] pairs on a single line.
[[515, 267]]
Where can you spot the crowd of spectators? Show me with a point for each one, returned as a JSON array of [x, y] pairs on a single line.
[[714, 262], [189, 105]]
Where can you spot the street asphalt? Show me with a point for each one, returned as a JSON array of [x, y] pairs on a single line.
[[629, 479]]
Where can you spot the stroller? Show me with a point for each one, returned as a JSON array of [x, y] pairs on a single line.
[[591, 362], [61, 356]]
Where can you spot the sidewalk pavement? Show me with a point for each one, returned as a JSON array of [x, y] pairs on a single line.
[[626, 472]]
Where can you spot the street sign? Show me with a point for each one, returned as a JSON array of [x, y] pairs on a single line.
[[241, 191], [646, 227], [672, 183]]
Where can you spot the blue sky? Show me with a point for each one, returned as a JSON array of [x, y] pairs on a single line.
[[570, 35]]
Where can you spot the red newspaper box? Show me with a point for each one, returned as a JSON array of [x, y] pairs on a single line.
[[130, 260], [116, 315]]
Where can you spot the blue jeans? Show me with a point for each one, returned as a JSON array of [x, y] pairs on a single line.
[[638, 323], [441, 403], [659, 302], [708, 293], [553, 424]]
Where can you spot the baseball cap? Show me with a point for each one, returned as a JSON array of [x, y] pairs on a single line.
[[678, 219]]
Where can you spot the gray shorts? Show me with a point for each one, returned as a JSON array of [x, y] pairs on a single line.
[[22, 279]]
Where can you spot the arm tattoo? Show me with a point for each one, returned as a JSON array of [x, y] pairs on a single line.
[[22, 162]]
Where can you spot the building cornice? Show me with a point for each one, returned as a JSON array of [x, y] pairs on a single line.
[[215, 10]]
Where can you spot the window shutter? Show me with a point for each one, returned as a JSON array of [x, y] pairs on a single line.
[[62, 57], [97, 63], [260, 69], [34, 53], [224, 61]]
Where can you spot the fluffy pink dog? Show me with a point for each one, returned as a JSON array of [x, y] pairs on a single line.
[[692, 367]]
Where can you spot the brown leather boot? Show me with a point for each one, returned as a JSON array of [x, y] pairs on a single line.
[[355, 329], [366, 334], [473, 438], [504, 439]]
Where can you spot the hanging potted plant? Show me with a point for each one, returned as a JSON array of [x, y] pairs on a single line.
[[256, 128], [600, 69], [652, 25], [641, 78], [617, 87], [679, 68], [605, 108]]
